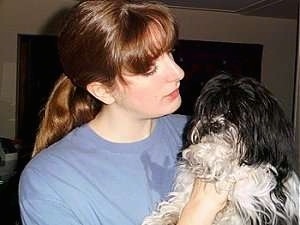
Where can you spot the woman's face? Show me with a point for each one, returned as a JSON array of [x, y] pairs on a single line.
[[152, 95]]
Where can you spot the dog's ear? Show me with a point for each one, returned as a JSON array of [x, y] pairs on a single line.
[[194, 135]]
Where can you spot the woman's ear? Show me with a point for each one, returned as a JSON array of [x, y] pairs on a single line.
[[100, 92]]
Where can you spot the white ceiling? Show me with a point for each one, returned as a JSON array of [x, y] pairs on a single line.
[[266, 8]]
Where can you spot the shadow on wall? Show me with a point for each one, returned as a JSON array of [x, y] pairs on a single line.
[[55, 22]]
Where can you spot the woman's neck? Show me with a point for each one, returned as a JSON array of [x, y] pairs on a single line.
[[121, 128]]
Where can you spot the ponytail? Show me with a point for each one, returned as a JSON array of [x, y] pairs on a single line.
[[67, 107]]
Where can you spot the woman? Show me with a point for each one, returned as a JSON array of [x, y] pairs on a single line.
[[107, 145]]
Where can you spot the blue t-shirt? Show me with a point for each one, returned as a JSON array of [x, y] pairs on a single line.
[[84, 179]]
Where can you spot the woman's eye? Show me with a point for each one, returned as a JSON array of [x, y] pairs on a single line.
[[151, 71]]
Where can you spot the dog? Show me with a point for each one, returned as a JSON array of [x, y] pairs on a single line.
[[239, 139]]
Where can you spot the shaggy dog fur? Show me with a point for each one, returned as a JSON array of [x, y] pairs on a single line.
[[239, 139]]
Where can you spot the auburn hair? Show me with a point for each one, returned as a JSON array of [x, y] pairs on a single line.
[[98, 42]]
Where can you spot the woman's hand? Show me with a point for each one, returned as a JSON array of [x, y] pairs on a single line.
[[204, 204]]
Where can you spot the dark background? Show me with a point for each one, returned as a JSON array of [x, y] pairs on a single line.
[[201, 60]]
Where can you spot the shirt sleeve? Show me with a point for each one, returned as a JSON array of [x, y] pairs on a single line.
[[39, 202], [45, 212]]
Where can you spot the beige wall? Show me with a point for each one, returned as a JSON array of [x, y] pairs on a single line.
[[33, 16], [29, 17]]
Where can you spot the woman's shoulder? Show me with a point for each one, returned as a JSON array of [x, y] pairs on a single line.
[[56, 162], [62, 150]]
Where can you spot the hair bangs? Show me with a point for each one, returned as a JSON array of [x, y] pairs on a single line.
[[149, 37]]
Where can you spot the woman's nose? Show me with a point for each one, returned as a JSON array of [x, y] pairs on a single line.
[[180, 72], [176, 71]]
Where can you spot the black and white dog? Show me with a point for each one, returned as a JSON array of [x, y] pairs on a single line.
[[239, 139]]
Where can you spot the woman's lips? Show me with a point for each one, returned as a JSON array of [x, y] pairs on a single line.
[[174, 94]]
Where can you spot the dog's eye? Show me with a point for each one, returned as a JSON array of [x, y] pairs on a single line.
[[215, 127]]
